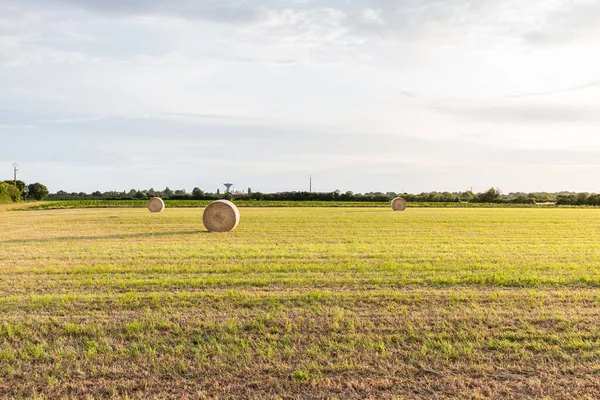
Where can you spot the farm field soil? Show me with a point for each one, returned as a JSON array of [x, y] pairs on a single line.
[[301, 303]]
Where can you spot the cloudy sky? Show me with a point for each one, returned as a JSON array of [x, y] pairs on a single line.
[[364, 95]]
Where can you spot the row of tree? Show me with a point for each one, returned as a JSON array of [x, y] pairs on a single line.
[[133, 194], [14, 191], [579, 199], [492, 195], [9, 192]]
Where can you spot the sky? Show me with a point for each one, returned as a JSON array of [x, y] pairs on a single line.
[[379, 95]]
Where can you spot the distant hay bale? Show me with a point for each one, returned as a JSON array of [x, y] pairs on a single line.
[[398, 204], [156, 205], [221, 216]]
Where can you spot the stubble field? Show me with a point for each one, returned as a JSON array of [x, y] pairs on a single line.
[[301, 303]]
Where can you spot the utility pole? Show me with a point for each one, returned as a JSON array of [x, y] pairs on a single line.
[[15, 169], [310, 184]]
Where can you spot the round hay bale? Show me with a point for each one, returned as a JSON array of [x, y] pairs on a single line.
[[221, 216], [398, 204], [156, 205]]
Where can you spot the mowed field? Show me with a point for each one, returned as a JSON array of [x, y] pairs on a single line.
[[301, 303]]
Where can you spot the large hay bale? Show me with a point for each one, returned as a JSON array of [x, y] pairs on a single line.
[[156, 205], [398, 204], [221, 216]]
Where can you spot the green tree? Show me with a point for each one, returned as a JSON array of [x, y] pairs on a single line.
[[544, 197], [467, 196], [37, 191], [197, 193], [491, 196], [20, 185], [523, 199], [581, 198], [9, 193]]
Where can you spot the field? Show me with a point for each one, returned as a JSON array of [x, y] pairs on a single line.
[[301, 303], [48, 205]]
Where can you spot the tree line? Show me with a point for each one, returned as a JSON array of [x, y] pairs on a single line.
[[9, 192], [15, 191], [492, 195]]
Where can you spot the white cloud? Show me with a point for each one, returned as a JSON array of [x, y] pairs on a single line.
[[330, 88], [371, 16], [566, 23]]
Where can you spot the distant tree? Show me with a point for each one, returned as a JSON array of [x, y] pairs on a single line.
[[97, 193], [37, 191], [565, 199], [522, 199], [218, 192], [581, 198], [4, 195], [140, 195], [20, 185], [348, 196], [9, 193], [541, 197], [167, 192], [467, 196], [446, 197], [492, 195], [197, 193], [593, 199], [249, 191]]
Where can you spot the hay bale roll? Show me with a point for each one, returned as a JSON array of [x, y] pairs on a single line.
[[221, 216], [156, 205], [398, 204]]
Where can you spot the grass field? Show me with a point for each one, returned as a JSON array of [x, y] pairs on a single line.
[[301, 303], [50, 205]]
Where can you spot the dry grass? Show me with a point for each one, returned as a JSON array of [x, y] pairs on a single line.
[[301, 303], [16, 206]]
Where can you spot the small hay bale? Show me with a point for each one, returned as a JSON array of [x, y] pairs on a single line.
[[221, 216], [398, 204], [156, 205]]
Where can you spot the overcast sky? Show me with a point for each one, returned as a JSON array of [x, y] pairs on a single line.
[[377, 95]]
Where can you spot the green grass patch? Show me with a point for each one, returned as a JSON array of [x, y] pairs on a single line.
[[314, 302]]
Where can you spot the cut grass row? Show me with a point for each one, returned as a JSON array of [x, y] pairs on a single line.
[[133, 250], [301, 303], [450, 342]]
